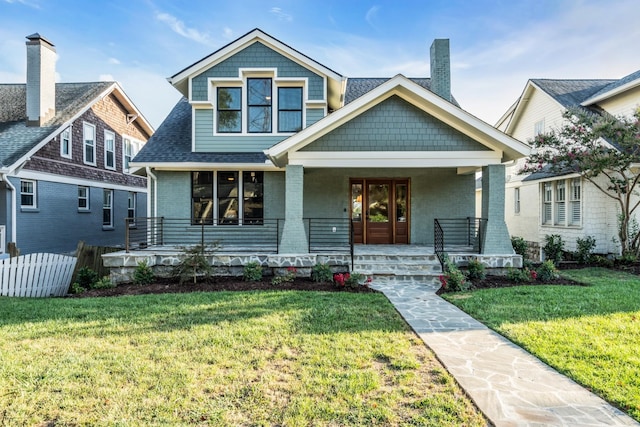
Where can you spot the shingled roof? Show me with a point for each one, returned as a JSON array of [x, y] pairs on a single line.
[[16, 138], [358, 86], [172, 143], [571, 93]]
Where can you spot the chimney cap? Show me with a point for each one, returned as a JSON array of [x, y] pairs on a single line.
[[36, 36]]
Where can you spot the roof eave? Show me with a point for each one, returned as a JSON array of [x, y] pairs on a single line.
[[613, 92]]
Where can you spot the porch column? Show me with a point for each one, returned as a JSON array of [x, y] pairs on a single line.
[[294, 237], [496, 237]]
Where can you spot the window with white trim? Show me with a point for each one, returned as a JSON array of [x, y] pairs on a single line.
[[83, 198], [259, 111], [107, 208], [89, 138], [28, 194], [516, 200], [538, 128], [130, 148], [131, 208], [562, 203], [289, 109], [109, 150], [227, 197], [229, 101], [65, 143]]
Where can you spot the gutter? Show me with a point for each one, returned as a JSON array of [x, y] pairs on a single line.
[[14, 214]]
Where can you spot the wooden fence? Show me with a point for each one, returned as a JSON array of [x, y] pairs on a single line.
[[91, 257], [36, 275]]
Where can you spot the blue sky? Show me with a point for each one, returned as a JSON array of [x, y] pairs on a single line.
[[495, 45]]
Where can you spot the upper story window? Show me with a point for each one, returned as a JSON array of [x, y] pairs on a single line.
[[89, 137], [130, 148], [229, 109], [65, 143], [109, 150], [259, 105], [289, 109], [538, 128]]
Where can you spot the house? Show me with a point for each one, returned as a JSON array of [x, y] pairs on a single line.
[[267, 138], [544, 203], [65, 150]]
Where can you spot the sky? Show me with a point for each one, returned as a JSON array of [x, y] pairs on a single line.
[[496, 45]]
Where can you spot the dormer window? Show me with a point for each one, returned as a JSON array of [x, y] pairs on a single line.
[[259, 105], [259, 102]]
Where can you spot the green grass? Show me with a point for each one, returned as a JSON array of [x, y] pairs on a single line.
[[245, 358], [590, 333]]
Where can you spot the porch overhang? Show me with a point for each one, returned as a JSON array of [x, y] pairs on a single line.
[[395, 159]]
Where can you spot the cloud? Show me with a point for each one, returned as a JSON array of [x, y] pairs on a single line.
[[24, 2], [179, 27], [282, 16], [114, 61], [227, 33], [106, 78]]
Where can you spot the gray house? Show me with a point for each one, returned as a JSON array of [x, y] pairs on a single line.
[[266, 138], [64, 154]]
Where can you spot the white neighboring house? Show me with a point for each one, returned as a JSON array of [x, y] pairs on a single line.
[[543, 203]]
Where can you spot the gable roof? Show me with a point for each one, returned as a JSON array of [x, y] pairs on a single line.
[[180, 80], [618, 86], [19, 140], [171, 144], [358, 86], [503, 146], [571, 93]]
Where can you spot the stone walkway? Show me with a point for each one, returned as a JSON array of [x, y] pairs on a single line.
[[510, 386]]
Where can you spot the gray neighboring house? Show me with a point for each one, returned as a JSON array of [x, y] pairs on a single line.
[[265, 132], [64, 154]]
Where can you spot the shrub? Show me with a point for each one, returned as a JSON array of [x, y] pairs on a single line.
[[585, 249], [602, 261], [476, 270], [520, 246], [321, 273], [520, 275], [143, 274], [193, 263], [288, 277], [86, 277], [104, 283], [547, 271], [553, 248], [76, 288], [356, 279], [453, 279], [252, 272], [340, 279], [627, 258]]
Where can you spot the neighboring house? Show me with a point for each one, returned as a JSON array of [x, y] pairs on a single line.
[[544, 203], [265, 132], [64, 153]]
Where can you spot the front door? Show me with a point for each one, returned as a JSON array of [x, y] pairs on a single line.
[[379, 210]]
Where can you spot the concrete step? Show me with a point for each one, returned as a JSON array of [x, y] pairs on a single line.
[[381, 268], [405, 259], [430, 281]]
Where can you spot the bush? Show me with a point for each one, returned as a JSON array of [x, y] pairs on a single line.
[[553, 248], [288, 277], [356, 279], [86, 277], [104, 283], [602, 261], [547, 271], [76, 288], [143, 274], [627, 258], [321, 273], [521, 275], [252, 272], [193, 263], [585, 249], [476, 270], [520, 246], [453, 279]]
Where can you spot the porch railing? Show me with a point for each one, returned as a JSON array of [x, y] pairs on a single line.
[[255, 235], [458, 234]]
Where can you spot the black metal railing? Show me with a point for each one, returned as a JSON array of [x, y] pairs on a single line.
[[328, 234], [254, 235], [458, 234]]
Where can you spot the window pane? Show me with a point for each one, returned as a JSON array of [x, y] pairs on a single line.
[[259, 91], [260, 119], [229, 121], [253, 202], [202, 196], [229, 98], [107, 205], [401, 202], [228, 197], [290, 98], [289, 121], [259, 105], [356, 202]]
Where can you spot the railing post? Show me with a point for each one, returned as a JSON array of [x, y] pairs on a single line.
[[162, 230], [351, 241], [126, 235]]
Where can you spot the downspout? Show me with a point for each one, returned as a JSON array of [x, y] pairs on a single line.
[[14, 214], [154, 180]]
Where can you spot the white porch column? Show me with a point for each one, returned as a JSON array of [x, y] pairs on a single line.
[[496, 237], [294, 237]]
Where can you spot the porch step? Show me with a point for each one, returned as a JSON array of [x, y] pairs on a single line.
[[400, 270]]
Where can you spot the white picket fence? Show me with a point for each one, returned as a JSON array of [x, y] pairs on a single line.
[[36, 275]]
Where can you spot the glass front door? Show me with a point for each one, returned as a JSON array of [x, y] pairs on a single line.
[[380, 210]]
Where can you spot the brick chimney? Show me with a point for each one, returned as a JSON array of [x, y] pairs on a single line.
[[41, 80], [441, 68]]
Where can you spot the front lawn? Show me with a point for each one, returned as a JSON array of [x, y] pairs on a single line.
[[590, 333], [223, 358]]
